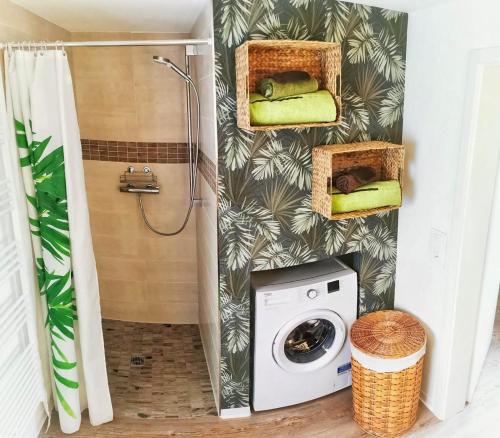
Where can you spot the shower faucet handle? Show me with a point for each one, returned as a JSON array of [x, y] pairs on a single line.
[[146, 169], [130, 169]]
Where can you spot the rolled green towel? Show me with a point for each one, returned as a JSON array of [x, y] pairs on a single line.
[[288, 83], [373, 195], [318, 107]]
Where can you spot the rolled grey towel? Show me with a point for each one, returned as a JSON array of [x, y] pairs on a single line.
[[354, 178], [288, 83]]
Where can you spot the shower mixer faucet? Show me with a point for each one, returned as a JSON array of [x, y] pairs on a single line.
[[133, 181]]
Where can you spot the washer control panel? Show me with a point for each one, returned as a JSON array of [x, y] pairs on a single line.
[[312, 293]]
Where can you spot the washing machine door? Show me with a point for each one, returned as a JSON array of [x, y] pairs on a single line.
[[310, 341]]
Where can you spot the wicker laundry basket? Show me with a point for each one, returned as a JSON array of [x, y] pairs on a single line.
[[388, 349]]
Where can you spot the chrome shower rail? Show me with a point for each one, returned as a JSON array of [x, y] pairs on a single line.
[[42, 44]]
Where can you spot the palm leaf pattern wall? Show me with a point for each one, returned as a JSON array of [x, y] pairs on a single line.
[[45, 184], [265, 217]]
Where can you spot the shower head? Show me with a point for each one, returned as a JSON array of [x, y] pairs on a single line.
[[170, 64]]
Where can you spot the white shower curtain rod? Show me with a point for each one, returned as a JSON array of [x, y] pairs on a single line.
[[42, 44]]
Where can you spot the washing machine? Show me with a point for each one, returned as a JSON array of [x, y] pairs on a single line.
[[301, 320]]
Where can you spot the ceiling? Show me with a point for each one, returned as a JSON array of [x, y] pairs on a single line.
[[118, 15], [151, 15], [399, 5]]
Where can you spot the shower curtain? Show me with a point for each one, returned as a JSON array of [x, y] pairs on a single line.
[[42, 109]]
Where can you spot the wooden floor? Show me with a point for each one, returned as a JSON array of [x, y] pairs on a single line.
[[329, 417]]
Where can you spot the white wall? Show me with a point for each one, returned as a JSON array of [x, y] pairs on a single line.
[[208, 276], [440, 40]]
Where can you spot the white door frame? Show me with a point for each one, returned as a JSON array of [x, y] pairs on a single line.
[[489, 294], [467, 250]]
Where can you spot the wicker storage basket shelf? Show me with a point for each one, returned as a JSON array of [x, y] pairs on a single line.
[[387, 159], [388, 349], [258, 59]]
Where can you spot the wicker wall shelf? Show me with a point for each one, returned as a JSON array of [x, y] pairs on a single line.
[[386, 158], [258, 59]]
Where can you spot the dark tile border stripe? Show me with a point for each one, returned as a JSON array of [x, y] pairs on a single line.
[[134, 152], [142, 152], [207, 168]]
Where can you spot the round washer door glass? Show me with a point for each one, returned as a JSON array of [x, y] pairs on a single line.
[[310, 340]]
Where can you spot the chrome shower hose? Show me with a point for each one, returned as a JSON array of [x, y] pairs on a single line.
[[193, 174]]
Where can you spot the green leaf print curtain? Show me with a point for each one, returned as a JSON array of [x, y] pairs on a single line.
[[41, 106]]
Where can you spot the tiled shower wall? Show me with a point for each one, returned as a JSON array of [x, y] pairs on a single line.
[[132, 111], [207, 214], [123, 96]]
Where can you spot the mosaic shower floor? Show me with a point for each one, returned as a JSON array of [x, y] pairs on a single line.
[[157, 371]]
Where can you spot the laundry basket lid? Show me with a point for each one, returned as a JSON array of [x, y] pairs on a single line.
[[388, 334]]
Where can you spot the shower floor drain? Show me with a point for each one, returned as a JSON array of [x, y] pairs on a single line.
[[137, 360]]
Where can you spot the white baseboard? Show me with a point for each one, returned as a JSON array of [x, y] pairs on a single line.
[[431, 405], [227, 414], [34, 427]]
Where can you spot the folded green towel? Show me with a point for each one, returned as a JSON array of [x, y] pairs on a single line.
[[286, 84], [373, 195], [315, 107]]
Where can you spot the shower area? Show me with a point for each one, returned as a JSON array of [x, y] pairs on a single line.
[[139, 111], [145, 106], [140, 129]]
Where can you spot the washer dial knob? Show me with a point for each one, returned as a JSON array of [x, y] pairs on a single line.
[[312, 293]]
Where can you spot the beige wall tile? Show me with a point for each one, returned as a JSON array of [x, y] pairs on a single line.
[[135, 265], [115, 97], [175, 248], [120, 268], [207, 215], [145, 291], [106, 223], [209, 282], [17, 24], [182, 313], [176, 272], [172, 292], [130, 291], [114, 245], [122, 95]]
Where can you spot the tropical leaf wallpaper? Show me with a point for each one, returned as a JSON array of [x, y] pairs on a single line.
[[265, 217]]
